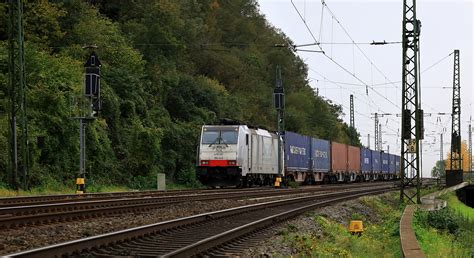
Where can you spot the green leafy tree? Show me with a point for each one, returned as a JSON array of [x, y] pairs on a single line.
[[439, 169]]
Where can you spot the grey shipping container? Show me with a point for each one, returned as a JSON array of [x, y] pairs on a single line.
[[385, 162], [297, 152], [376, 162], [338, 157], [365, 160], [320, 155]]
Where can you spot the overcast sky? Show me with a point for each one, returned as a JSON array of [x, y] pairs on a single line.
[[446, 25]]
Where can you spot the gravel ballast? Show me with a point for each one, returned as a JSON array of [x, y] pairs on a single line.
[[29, 237]]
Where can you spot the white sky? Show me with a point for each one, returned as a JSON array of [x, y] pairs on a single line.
[[446, 25]]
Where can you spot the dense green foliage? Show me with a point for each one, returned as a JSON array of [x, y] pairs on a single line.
[[447, 232], [168, 67]]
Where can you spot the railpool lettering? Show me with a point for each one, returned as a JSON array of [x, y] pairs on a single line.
[[321, 154], [297, 150]]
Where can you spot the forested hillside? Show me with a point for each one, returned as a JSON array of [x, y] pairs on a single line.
[[168, 67]]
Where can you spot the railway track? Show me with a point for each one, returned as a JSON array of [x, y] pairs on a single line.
[[18, 216], [199, 234], [62, 198]]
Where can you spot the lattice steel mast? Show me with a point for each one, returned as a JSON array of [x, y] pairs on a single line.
[[470, 147], [456, 159], [376, 132], [17, 93], [352, 121], [410, 150]]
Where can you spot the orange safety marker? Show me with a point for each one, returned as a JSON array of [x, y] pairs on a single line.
[[80, 185], [356, 227]]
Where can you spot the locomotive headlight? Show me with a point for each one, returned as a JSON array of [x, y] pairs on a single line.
[[204, 162], [231, 162]]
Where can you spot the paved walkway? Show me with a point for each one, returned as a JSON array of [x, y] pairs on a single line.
[[410, 247]]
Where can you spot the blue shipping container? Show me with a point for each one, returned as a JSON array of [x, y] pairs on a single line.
[[397, 164], [365, 160], [297, 152], [320, 155], [391, 168], [385, 162], [376, 162]]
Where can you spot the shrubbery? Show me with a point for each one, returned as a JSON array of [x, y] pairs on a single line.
[[168, 67]]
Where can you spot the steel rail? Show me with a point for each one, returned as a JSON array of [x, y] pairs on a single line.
[[72, 211], [253, 227], [92, 244], [50, 199], [46, 213]]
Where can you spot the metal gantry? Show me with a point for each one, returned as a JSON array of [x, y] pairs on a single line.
[[410, 147], [352, 121], [470, 147], [17, 94], [380, 138], [376, 133], [456, 158]]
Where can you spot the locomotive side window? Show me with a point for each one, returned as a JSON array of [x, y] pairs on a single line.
[[209, 137], [246, 139], [229, 137]]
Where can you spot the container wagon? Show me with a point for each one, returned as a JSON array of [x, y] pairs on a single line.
[[297, 157], [353, 164], [338, 162], [320, 160], [376, 165], [398, 170], [391, 168], [385, 165], [366, 164]]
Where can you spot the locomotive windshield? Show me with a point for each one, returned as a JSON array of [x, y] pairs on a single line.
[[215, 136]]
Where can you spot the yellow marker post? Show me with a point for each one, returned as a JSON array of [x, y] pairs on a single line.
[[356, 227], [80, 185], [277, 181]]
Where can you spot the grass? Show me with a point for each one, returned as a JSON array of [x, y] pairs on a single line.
[[448, 232], [55, 188], [458, 206], [5, 192], [380, 237]]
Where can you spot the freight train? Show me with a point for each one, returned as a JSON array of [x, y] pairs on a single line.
[[237, 155]]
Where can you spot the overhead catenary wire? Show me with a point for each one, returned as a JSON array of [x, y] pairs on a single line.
[[334, 61]]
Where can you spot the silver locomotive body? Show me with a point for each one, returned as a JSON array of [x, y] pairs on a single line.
[[237, 155]]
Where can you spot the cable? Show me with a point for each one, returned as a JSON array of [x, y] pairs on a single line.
[[439, 61], [335, 62]]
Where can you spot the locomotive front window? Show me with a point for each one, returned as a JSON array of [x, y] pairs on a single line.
[[229, 137], [209, 137]]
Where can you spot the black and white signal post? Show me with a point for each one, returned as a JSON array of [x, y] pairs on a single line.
[[279, 101], [92, 107]]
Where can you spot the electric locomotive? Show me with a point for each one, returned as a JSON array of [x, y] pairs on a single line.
[[236, 155]]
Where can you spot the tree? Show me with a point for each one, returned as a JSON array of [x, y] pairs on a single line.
[[464, 157], [438, 170]]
